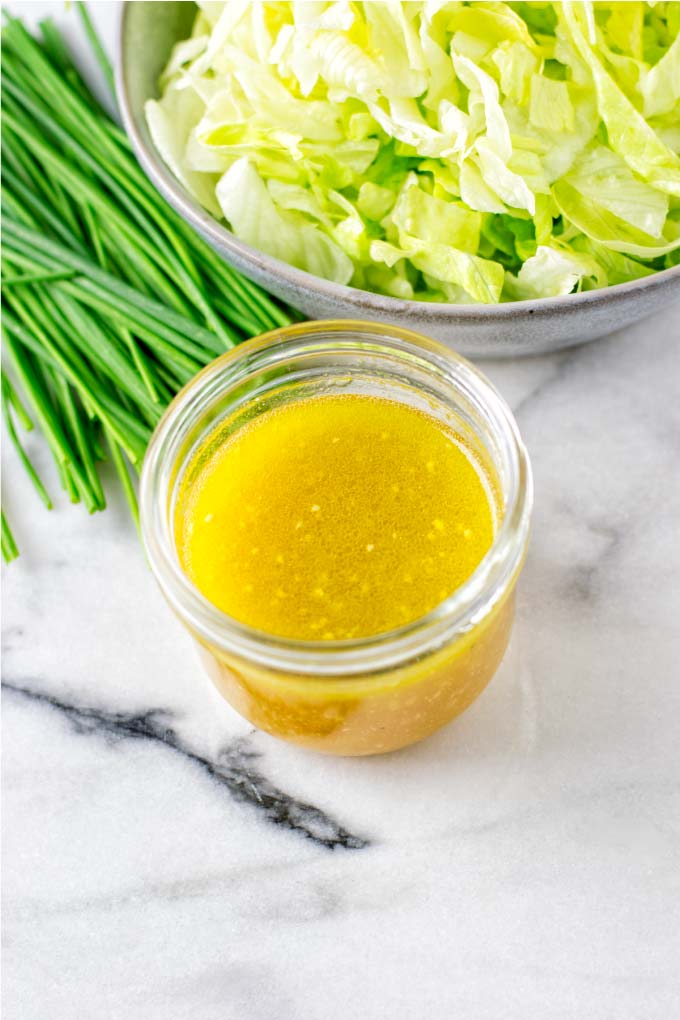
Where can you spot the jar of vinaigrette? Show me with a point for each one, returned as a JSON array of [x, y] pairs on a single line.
[[338, 512]]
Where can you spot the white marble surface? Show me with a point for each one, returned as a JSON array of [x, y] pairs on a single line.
[[163, 861]]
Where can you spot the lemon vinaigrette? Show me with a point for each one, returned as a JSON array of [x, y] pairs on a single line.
[[333, 518], [338, 512]]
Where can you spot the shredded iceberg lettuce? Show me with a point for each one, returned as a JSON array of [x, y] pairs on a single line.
[[437, 151]]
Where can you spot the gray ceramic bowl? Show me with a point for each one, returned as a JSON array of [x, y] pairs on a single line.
[[148, 31]]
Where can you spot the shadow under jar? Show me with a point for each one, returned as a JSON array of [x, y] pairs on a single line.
[[379, 692]]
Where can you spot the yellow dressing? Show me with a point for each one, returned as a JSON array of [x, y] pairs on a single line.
[[333, 517]]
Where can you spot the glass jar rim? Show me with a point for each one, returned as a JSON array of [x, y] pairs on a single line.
[[460, 611]]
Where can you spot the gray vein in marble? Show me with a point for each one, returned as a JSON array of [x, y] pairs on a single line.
[[178, 890], [234, 767], [581, 579]]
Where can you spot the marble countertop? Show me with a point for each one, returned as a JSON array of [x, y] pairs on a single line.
[[164, 861]]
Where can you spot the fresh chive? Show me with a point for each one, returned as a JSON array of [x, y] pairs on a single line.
[[82, 442], [124, 476], [14, 439], [97, 48], [11, 395], [24, 278], [46, 252], [9, 546]]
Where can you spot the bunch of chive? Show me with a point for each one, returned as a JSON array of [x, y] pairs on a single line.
[[110, 301]]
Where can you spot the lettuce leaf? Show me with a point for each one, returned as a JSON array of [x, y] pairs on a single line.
[[628, 133], [660, 86], [553, 272], [605, 179], [611, 231], [434, 220], [250, 209]]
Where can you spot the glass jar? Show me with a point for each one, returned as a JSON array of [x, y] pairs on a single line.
[[377, 693]]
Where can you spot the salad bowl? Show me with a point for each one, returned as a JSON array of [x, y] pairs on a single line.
[[148, 31]]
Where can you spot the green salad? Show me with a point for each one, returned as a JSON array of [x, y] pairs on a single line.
[[462, 152]]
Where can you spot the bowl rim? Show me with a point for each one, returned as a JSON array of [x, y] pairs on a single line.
[[189, 208]]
